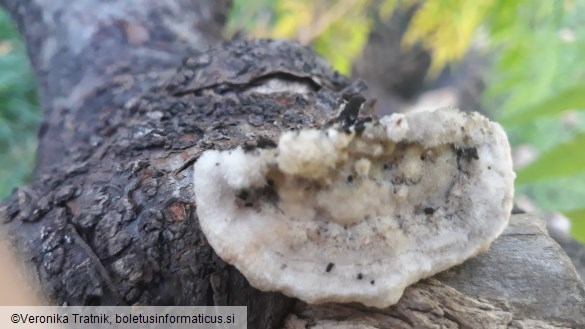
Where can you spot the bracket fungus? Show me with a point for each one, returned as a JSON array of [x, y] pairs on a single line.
[[357, 215]]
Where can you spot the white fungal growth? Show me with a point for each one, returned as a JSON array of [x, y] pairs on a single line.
[[334, 216]]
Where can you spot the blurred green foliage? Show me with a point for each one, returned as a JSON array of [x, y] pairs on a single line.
[[337, 29], [19, 115], [538, 88]]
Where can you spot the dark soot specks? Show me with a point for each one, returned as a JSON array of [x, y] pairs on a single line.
[[464, 157], [352, 104], [265, 143], [243, 195], [467, 153], [329, 267]]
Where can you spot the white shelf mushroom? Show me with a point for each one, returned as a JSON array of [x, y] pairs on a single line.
[[344, 216]]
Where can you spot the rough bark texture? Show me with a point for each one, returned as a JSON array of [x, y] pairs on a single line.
[[117, 225], [110, 218], [91, 56]]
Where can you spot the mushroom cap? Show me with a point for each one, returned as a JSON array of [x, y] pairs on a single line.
[[337, 216]]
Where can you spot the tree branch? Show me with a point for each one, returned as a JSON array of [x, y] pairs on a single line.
[[77, 48]]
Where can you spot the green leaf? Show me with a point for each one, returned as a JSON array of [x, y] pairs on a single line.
[[568, 99], [564, 159], [577, 223]]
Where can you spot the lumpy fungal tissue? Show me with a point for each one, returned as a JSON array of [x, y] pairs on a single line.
[[357, 215]]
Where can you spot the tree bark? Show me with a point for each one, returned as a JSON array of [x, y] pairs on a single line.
[[110, 218], [82, 50]]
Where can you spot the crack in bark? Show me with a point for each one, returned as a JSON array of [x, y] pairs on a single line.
[[95, 260]]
